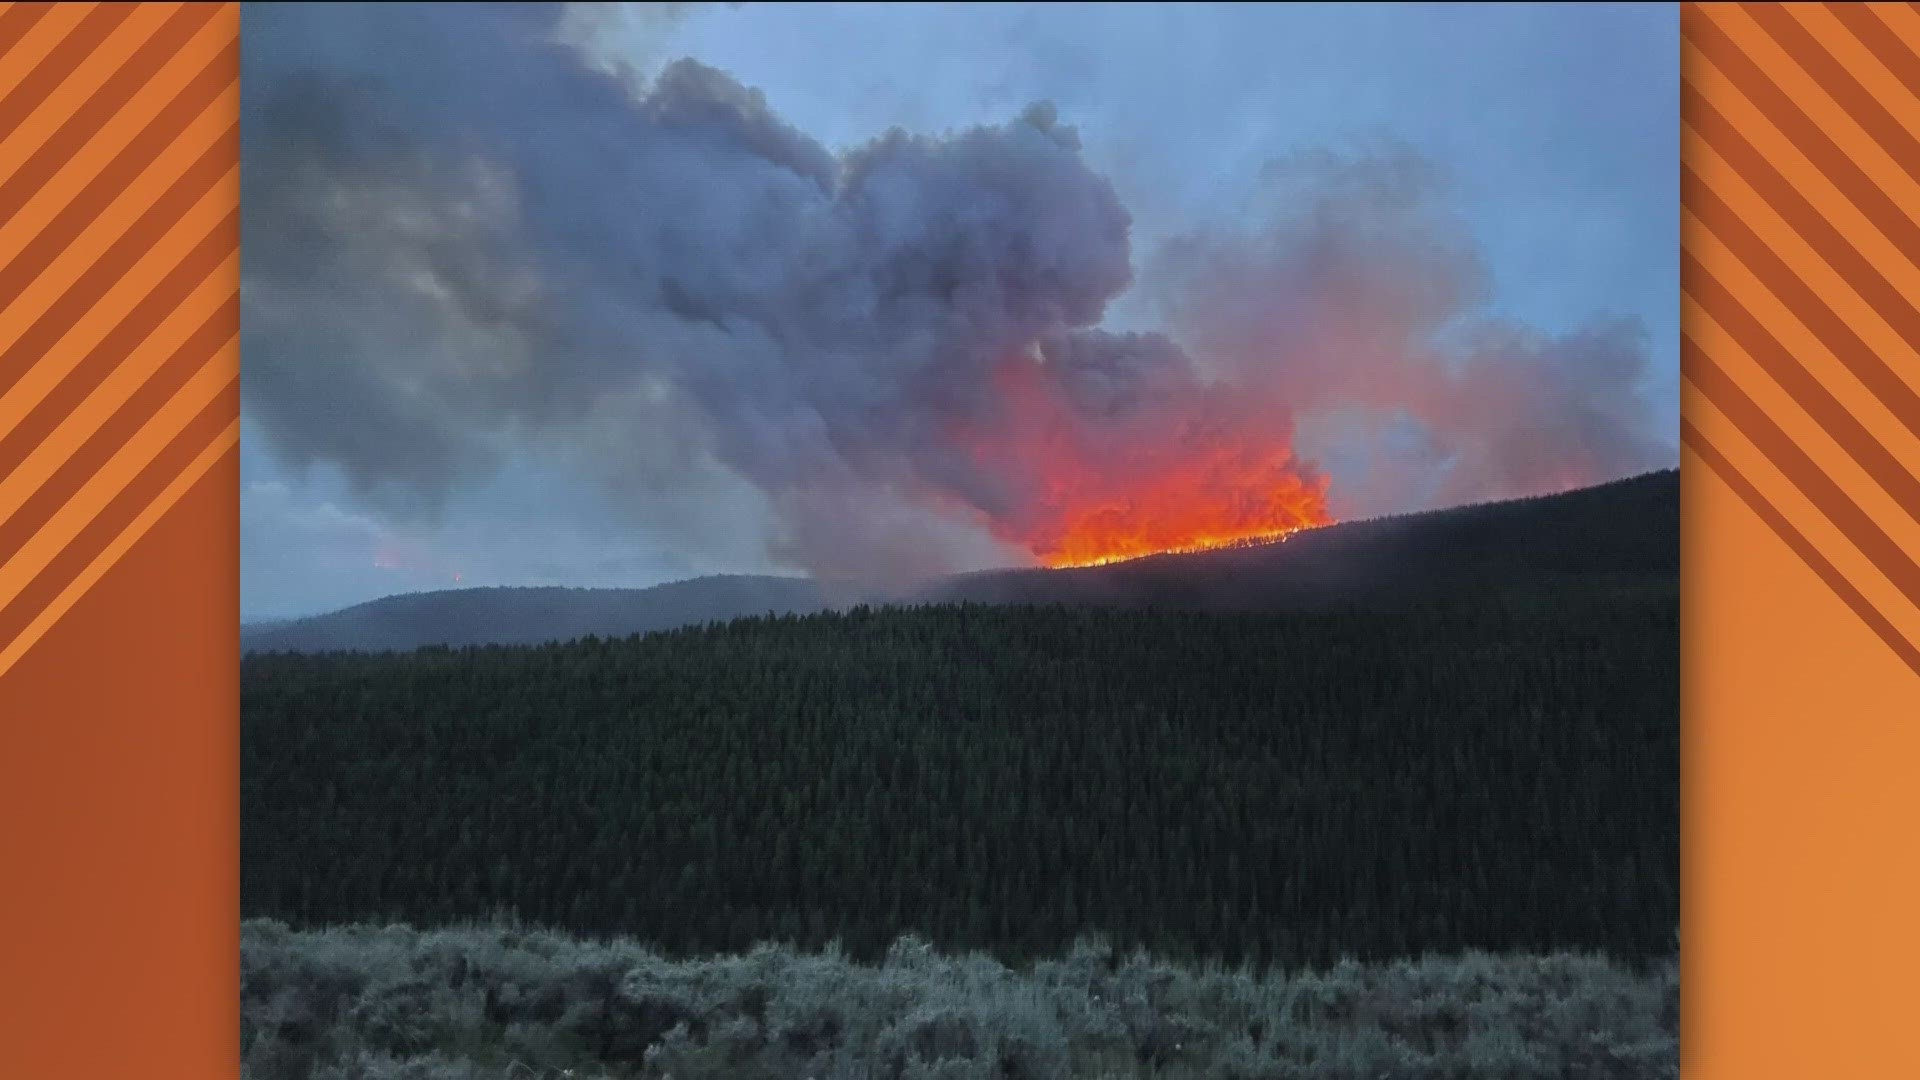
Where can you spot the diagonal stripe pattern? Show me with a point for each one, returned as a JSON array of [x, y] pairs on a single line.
[[119, 285], [1800, 197]]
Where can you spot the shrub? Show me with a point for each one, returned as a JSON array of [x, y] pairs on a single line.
[[465, 1004]]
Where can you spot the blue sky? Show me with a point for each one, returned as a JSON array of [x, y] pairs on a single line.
[[1555, 125]]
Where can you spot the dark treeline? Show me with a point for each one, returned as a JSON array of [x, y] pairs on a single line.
[[1498, 774]]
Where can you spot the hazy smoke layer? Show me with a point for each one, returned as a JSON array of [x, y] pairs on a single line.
[[1357, 304], [463, 239]]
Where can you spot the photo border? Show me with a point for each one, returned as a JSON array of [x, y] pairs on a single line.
[[119, 511]]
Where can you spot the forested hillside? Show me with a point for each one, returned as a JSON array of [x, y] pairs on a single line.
[[1496, 771]]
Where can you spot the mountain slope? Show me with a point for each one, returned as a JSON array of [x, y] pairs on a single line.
[[1625, 534], [529, 616], [1603, 536]]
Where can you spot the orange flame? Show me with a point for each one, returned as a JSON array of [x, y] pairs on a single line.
[[1094, 550], [1191, 468], [1173, 520]]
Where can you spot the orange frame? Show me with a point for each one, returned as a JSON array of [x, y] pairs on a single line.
[[119, 414]]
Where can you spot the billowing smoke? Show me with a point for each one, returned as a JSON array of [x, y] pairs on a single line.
[[1359, 303], [465, 239]]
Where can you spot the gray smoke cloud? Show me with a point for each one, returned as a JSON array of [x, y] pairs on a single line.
[[1361, 301], [467, 238]]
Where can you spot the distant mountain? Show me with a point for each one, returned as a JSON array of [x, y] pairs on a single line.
[[1623, 534], [530, 616]]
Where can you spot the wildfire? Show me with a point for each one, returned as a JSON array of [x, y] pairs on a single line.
[[1191, 468], [1128, 553], [1224, 508]]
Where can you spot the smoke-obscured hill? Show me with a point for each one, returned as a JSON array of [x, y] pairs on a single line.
[[1601, 536], [1625, 530], [530, 616]]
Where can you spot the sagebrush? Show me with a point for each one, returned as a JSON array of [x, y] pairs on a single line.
[[387, 1003]]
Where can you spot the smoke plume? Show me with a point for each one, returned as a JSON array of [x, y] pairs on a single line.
[[466, 239], [1361, 302]]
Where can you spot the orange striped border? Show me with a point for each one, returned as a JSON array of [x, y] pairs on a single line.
[[118, 513], [1800, 209], [119, 420]]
